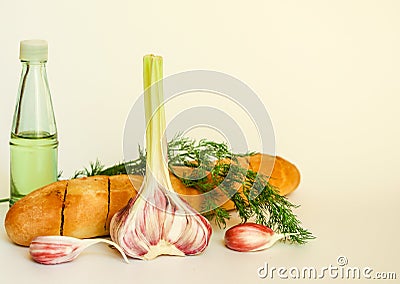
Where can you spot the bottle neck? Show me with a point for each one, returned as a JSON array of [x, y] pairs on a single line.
[[34, 62], [38, 67]]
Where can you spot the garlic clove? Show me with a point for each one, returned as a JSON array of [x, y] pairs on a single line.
[[251, 237], [61, 249]]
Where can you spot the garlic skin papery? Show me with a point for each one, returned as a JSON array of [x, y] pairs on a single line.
[[158, 222]]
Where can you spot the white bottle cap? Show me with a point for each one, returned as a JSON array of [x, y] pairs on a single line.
[[33, 50]]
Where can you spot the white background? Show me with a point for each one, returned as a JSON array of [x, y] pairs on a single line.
[[327, 71]]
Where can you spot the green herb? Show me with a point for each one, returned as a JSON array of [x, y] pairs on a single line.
[[259, 200], [95, 168]]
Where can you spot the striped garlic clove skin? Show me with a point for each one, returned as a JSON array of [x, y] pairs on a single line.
[[251, 237], [61, 249], [54, 249], [160, 224]]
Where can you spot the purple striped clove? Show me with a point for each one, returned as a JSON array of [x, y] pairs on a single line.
[[61, 249], [251, 237]]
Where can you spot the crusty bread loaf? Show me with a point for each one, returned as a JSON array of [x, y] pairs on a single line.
[[83, 207]]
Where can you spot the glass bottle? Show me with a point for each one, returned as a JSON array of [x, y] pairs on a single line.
[[33, 143]]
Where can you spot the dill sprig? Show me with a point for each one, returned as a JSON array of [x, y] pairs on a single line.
[[95, 168], [257, 200]]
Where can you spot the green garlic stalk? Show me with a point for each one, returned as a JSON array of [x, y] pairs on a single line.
[[158, 222]]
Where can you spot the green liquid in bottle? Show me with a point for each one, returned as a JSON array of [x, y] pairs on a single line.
[[33, 162]]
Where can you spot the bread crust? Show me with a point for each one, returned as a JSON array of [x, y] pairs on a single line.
[[37, 214], [85, 207], [283, 175]]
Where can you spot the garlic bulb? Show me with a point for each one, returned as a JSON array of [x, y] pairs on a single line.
[[158, 222]]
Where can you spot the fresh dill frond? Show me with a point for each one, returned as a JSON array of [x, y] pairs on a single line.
[[257, 199], [134, 167], [95, 168]]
